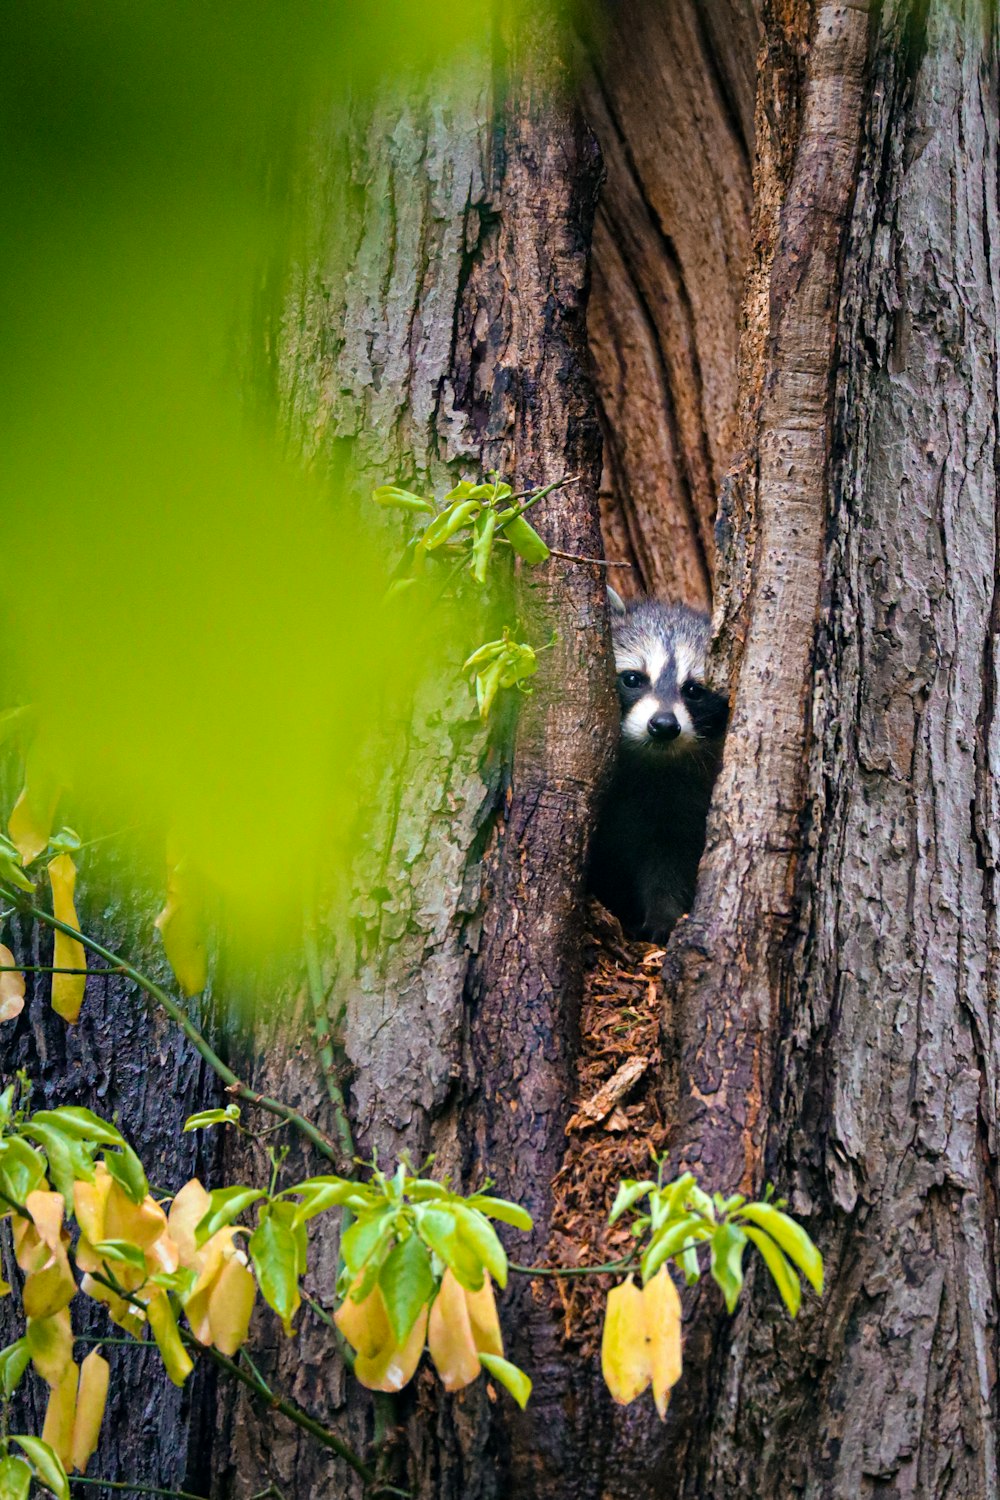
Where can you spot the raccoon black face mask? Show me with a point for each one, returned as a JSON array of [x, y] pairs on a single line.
[[651, 834]]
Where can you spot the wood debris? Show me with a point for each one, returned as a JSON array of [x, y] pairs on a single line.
[[618, 1125]]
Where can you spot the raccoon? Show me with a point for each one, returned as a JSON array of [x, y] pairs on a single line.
[[651, 834]]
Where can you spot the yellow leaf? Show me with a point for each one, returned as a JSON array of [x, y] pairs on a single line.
[[125, 1314], [176, 1360], [381, 1364], [394, 1366], [31, 821], [40, 1249], [59, 1414], [483, 1319], [625, 1358], [89, 1204], [92, 1393], [230, 1306], [365, 1324], [179, 925], [11, 987], [449, 1336], [51, 1343], [67, 989], [188, 1209], [662, 1311]]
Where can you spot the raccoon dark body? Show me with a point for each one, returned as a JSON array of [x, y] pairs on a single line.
[[644, 859]]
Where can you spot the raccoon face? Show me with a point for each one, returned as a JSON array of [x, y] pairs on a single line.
[[660, 655]]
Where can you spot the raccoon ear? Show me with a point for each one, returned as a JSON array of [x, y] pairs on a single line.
[[615, 604]]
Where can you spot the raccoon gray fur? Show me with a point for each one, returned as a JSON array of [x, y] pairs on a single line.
[[651, 834]]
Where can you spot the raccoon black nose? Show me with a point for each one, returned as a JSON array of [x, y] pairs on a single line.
[[663, 726]]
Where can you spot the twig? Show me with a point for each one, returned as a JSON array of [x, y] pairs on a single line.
[[628, 1262], [598, 562], [178, 1015], [50, 969]]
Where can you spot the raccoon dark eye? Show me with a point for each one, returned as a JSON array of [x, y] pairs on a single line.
[[633, 679], [692, 691]]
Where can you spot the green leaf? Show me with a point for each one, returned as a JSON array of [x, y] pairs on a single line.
[[509, 1376], [10, 867], [15, 1478], [666, 1202], [407, 1284], [480, 1237], [487, 686], [47, 1465], [21, 1168], [398, 499], [12, 720], [13, 1363], [670, 1240], [226, 1205], [524, 539], [439, 1229], [79, 1124], [628, 1195], [690, 1265], [450, 521], [486, 653], [783, 1276], [275, 1256], [499, 1208], [122, 1252], [7, 1104], [127, 1170], [368, 1234], [791, 1237], [317, 1200], [69, 1159], [728, 1245], [482, 546], [205, 1117], [66, 841]]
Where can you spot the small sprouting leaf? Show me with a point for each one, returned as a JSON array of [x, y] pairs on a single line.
[[509, 1376], [487, 686], [728, 1245], [499, 1208], [391, 496], [205, 1117], [66, 841], [784, 1278], [79, 1123], [127, 1170], [275, 1255], [13, 1363], [225, 1205], [486, 653], [47, 1466], [15, 1478], [407, 1284], [791, 1237], [628, 1195]]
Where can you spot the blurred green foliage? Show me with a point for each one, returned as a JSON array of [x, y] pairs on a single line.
[[196, 621]]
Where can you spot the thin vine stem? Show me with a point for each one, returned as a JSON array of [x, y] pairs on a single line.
[[179, 1016], [134, 1489], [627, 1263]]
